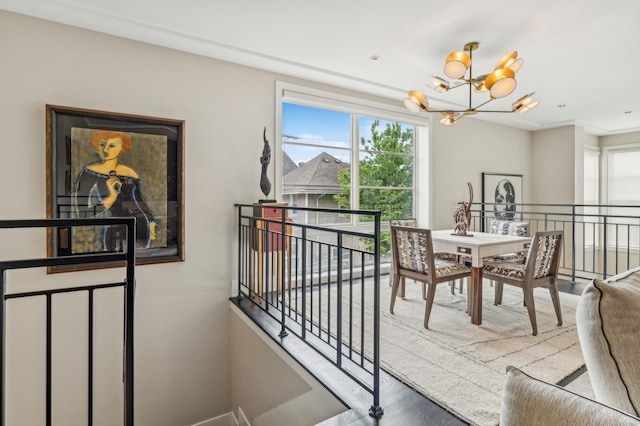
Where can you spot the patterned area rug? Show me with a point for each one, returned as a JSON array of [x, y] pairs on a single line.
[[462, 366]]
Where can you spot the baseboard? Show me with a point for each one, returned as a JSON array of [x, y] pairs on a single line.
[[224, 420]]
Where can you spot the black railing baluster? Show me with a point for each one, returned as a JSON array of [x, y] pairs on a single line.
[[376, 410], [282, 271], [3, 278], [48, 383], [362, 300], [339, 302], [90, 357], [303, 261]]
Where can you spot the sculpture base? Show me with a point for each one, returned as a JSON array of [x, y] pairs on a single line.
[[267, 201], [462, 235]]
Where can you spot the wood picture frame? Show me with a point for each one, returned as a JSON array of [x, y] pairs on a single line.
[[501, 195], [102, 164]]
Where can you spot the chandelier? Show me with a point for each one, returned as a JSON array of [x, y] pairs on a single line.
[[498, 83]]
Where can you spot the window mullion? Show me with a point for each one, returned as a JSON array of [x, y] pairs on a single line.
[[355, 166]]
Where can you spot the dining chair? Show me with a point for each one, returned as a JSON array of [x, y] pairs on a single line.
[[410, 222], [413, 223], [414, 258], [539, 269], [503, 227], [509, 227]]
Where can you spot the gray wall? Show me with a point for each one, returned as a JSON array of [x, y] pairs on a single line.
[[461, 153]]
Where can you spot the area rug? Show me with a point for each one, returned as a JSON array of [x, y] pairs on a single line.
[[462, 366], [458, 365]]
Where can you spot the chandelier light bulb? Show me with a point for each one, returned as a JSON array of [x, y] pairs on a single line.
[[456, 65], [501, 82], [416, 101], [439, 85], [525, 103]]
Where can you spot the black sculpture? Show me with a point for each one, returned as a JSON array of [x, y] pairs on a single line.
[[265, 159]]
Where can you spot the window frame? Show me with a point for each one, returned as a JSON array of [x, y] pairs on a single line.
[[357, 107], [605, 160]]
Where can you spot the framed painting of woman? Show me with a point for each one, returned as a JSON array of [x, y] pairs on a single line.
[[103, 164]]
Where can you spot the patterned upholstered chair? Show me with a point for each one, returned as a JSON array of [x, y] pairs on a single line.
[[410, 222], [504, 227], [539, 269], [510, 227], [413, 223], [414, 258]]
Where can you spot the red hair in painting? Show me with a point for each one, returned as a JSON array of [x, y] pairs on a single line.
[[104, 135]]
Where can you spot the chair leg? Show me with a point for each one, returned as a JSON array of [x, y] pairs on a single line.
[[555, 298], [460, 285], [528, 299], [394, 292], [497, 300], [452, 285], [402, 287], [431, 293]]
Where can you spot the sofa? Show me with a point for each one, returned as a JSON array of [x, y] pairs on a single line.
[[608, 324]]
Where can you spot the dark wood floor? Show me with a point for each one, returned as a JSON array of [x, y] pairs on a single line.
[[401, 404]]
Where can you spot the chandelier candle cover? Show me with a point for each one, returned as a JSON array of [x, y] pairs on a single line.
[[499, 83]]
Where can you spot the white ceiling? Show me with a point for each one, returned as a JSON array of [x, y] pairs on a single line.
[[579, 53]]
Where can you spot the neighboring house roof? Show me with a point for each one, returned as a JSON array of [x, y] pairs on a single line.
[[287, 164], [316, 176]]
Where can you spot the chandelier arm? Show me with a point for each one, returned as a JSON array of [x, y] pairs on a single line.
[[457, 85], [447, 110], [482, 104], [502, 111]]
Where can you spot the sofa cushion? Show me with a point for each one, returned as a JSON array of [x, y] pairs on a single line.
[[608, 322], [528, 401]]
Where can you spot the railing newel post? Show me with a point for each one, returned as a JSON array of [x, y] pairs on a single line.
[[239, 295]]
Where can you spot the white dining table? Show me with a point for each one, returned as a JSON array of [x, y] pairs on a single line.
[[477, 246]]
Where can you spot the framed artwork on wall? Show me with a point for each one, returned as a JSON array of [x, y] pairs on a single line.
[[501, 195], [106, 164]]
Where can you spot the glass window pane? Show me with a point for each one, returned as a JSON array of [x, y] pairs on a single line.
[[394, 203], [305, 125], [386, 170]]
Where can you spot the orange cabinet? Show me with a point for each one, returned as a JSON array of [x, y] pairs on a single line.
[[271, 251]]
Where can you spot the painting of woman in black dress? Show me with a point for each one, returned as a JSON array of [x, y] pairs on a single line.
[[113, 182]]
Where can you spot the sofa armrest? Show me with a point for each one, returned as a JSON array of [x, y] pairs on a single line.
[[527, 401]]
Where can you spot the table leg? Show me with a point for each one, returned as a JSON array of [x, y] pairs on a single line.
[[475, 293]]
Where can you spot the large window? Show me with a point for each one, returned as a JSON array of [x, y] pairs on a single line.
[[341, 153], [623, 181]]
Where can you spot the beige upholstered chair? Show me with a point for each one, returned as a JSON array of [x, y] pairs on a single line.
[[414, 258], [413, 223], [540, 269], [510, 227], [504, 227], [410, 222]]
